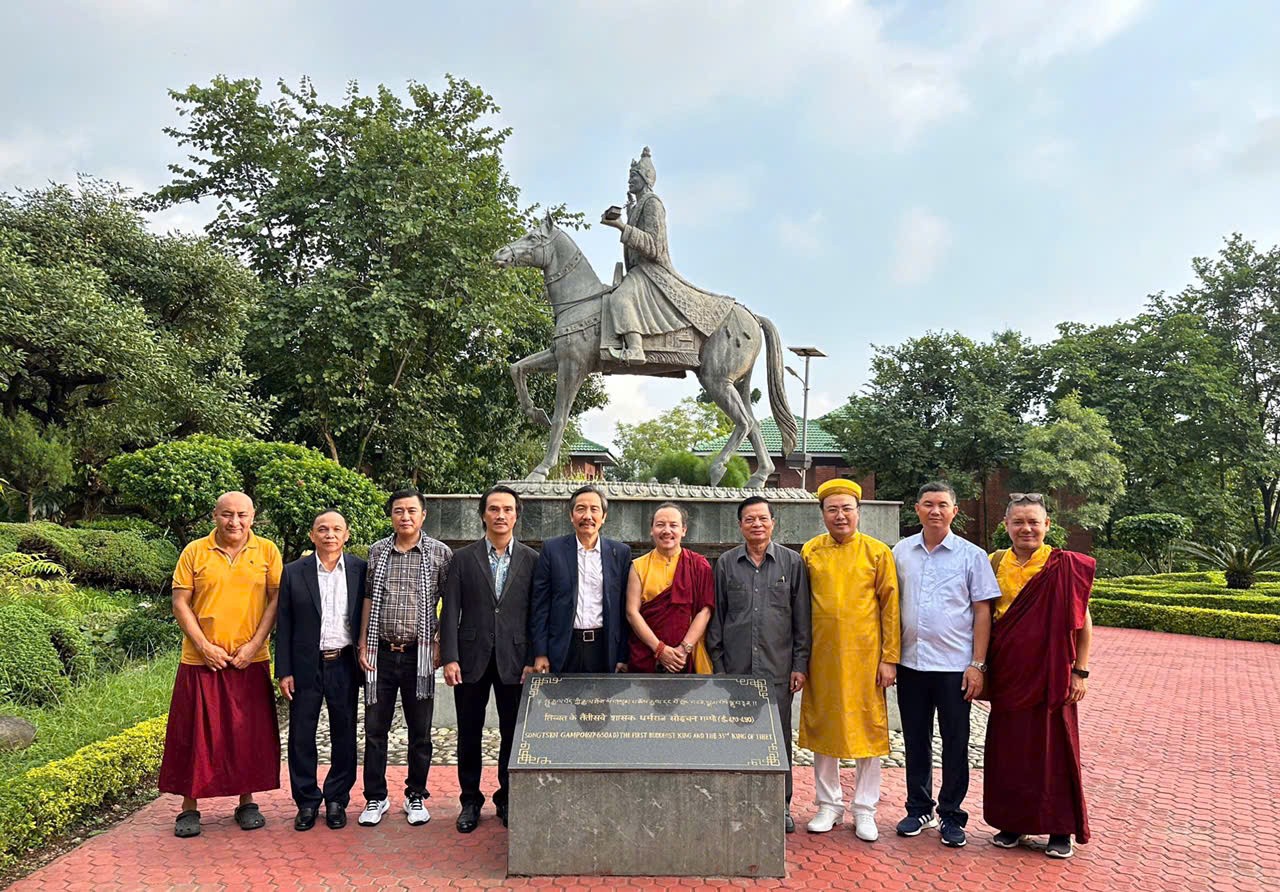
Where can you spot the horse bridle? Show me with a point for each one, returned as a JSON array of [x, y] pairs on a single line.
[[568, 267]]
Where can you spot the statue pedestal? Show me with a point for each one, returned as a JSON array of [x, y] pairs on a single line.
[[713, 515]]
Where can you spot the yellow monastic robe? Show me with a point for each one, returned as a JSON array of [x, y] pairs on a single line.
[[1012, 576], [656, 575], [855, 628]]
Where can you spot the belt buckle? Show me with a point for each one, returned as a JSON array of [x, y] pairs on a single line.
[[331, 655], [397, 648], [588, 635]]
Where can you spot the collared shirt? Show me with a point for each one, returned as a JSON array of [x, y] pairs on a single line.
[[228, 596], [589, 612], [499, 564], [335, 618], [400, 598], [938, 589], [760, 625]]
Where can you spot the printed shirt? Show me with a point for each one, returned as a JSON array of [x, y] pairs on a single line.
[[499, 565], [399, 617]]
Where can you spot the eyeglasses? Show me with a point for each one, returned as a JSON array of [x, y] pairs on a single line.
[[1034, 498]]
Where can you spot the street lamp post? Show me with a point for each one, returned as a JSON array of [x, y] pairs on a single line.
[[808, 353]]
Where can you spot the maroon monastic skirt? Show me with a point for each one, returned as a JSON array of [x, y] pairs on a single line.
[[222, 738], [1031, 782]]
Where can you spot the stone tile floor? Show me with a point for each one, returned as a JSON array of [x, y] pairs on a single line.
[[1181, 763]]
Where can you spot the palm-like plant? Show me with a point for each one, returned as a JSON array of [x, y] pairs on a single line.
[[1239, 563]]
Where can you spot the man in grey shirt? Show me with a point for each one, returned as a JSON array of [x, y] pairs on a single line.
[[760, 625]]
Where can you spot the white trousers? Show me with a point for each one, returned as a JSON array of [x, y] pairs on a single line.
[[866, 787]]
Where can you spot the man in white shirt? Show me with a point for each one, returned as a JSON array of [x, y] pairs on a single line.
[[319, 619]]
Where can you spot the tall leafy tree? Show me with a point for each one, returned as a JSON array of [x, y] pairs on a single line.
[[643, 443], [385, 332]]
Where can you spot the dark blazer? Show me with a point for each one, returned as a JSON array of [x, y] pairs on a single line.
[[475, 624], [298, 622], [555, 598]]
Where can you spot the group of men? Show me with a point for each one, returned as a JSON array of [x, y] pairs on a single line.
[[843, 620]]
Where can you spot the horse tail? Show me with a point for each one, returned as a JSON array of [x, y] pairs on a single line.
[[782, 415]]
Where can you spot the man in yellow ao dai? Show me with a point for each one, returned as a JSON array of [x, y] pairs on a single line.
[[854, 658]]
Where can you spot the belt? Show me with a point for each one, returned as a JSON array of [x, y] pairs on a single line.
[[586, 635], [331, 655], [398, 647]]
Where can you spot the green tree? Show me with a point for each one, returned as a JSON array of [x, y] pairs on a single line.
[[642, 444], [1074, 457], [385, 331], [175, 484], [36, 462], [115, 335], [290, 492], [1152, 537]]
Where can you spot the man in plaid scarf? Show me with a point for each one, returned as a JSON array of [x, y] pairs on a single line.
[[398, 651]]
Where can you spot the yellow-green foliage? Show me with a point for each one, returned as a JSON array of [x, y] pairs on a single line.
[[1195, 603], [1186, 620], [48, 800]]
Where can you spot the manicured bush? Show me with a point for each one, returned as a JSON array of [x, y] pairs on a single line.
[[39, 655], [175, 484], [292, 491], [1056, 536], [1186, 620], [144, 528], [46, 801], [113, 560], [684, 467], [1234, 603]]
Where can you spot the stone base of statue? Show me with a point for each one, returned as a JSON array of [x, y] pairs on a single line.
[[647, 775], [713, 514]]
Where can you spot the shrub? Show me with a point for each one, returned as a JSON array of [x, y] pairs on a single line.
[[113, 560], [144, 528], [147, 632], [1056, 536], [736, 473], [39, 655], [44, 802], [252, 456], [1186, 620], [175, 483], [1240, 564], [1152, 536], [1208, 601], [292, 491], [683, 466], [1113, 562]]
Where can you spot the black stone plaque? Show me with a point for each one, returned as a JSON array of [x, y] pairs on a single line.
[[628, 721]]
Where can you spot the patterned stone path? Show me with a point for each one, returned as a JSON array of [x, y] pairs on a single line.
[[1182, 771]]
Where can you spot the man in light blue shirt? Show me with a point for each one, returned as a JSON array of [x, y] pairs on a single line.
[[946, 589]]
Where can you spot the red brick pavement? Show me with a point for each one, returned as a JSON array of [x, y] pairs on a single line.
[[1182, 752]]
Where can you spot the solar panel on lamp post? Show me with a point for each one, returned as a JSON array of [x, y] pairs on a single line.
[[808, 353]]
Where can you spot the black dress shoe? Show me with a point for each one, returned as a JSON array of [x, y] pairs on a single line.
[[335, 816], [502, 813], [305, 819], [469, 817], [790, 823]]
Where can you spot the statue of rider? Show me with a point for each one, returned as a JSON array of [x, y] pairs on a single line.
[[653, 298]]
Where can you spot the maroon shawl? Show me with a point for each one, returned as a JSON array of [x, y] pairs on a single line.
[[1031, 781], [669, 614]]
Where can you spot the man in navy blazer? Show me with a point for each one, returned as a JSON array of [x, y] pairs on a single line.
[[319, 619], [576, 620]]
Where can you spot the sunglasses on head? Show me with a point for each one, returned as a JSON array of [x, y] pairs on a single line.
[[1034, 498]]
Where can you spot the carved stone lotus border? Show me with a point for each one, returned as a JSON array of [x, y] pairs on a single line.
[[615, 489]]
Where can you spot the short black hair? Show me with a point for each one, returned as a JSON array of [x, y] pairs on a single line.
[[500, 488], [754, 500], [321, 514], [582, 491], [406, 494], [938, 486]]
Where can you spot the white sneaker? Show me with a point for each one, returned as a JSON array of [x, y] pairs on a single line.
[[373, 811], [865, 827], [826, 818], [416, 809]]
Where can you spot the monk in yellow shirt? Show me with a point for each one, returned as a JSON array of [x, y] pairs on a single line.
[[222, 738], [856, 637]]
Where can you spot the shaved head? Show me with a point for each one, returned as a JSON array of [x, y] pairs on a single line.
[[234, 498], [233, 518]]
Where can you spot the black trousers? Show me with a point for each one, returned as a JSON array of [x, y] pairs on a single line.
[[588, 656], [397, 674], [337, 687], [920, 696], [782, 693], [471, 700]]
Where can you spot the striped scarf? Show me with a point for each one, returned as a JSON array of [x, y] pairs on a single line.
[[435, 563]]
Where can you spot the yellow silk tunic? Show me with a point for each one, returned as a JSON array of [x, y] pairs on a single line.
[[1012, 576], [855, 628], [656, 575]]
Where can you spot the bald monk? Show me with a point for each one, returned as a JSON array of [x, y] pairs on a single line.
[[222, 738], [854, 588], [1038, 666]]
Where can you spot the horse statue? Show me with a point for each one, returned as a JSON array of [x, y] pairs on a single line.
[[722, 360]]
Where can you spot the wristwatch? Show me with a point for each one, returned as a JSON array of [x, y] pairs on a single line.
[[686, 647], [1076, 670], [979, 665]]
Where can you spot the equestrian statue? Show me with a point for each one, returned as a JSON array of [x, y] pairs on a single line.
[[651, 321]]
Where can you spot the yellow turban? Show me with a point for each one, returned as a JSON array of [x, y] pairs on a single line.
[[837, 486]]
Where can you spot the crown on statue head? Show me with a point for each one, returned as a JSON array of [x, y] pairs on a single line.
[[645, 167]]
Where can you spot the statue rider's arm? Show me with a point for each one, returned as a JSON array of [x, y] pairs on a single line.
[[648, 241]]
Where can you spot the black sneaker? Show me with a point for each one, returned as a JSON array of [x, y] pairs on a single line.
[[1006, 839], [789, 823], [952, 834], [1059, 847], [911, 825]]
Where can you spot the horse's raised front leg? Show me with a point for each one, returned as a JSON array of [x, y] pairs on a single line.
[[569, 377], [542, 361]]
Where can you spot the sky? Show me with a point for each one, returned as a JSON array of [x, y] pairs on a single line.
[[859, 172]]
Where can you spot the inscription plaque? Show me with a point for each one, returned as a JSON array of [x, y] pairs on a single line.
[[684, 722]]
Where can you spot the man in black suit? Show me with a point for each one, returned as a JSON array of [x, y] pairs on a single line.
[[320, 601], [576, 623], [484, 642]]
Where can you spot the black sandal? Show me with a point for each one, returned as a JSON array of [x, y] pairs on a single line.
[[248, 816], [187, 825]]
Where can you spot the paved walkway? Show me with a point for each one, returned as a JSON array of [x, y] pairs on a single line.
[[1182, 772]]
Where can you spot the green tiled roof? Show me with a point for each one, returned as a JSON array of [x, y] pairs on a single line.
[[820, 440], [583, 446]]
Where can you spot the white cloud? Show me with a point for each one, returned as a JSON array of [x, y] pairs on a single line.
[[922, 241], [698, 200], [804, 237], [31, 158], [1037, 32]]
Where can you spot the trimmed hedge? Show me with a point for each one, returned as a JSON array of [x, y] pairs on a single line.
[[100, 557], [46, 801], [39, 655], [1234, 603], [1186, 620], [144, 528]]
